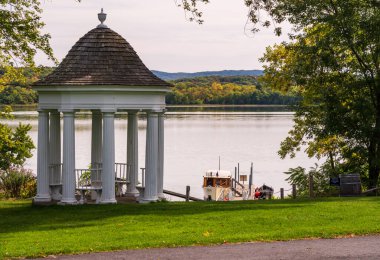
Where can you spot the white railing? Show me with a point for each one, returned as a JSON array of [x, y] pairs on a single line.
[[88, 178], [122, 172]]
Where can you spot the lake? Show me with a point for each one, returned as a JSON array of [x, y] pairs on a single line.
[[195, 138]]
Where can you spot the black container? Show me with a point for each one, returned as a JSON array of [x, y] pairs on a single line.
[[350, 184]]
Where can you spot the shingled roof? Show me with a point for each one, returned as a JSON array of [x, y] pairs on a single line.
[[102, 57]]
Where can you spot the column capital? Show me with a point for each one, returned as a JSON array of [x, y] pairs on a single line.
[[133, 111], [40, 111], [152, 113], [66, 111], [108, 110], [108, 114]]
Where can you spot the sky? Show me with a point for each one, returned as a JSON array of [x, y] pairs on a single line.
[[160, 33]]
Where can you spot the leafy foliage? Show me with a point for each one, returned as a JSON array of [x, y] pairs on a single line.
[[20, 32], [333, 63], [321, 179], [18, 183], [15, 144]]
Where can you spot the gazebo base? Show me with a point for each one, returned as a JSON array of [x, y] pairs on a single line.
[[108, 201], [68, 202]]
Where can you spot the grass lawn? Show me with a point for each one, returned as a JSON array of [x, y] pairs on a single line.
[[30, 231]]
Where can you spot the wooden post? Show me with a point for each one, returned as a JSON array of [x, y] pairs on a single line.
[[294, 191], [311, 186], [238, 179], [250, 180], [282, 193], [187, 193]]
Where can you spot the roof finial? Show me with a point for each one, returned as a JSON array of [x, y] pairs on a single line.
[[102, 17]]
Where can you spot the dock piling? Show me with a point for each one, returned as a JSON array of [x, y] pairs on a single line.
[[187, 193], [294, 191]]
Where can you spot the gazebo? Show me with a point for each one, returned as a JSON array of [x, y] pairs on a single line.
[[102, 74]]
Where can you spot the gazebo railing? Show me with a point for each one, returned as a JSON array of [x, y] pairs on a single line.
[[122, 172], [121, 176], [88, 178]]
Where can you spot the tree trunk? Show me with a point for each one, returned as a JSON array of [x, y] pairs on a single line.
[[374, 150]]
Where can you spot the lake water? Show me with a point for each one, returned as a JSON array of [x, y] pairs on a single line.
[[194, 140]]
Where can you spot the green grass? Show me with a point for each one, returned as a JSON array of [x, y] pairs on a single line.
[[30, 231]]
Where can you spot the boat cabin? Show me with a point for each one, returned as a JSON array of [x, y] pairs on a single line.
[[217, 178]]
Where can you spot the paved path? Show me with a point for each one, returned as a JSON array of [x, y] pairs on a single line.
[[365, 247]]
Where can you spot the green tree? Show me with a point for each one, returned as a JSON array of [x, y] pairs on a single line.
[[334, 63], [20, 32], [15, 144]]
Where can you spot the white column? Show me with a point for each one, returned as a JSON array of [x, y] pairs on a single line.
[[43, 194], [96, 138], [108, 174], [160, 174], [55, 154], [96, 147], [132, 154], [68, 175], [150, 192]]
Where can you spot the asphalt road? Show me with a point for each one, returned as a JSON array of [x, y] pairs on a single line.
[[364, 247]]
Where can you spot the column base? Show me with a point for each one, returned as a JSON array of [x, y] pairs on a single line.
[[56, 192], [111, 201], [42, 199], [132, 194], [148, 200], [68, 202], [161, 196]]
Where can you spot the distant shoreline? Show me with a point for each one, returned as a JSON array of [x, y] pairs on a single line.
[[33, 107]]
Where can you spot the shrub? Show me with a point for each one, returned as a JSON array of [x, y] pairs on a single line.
[[321, 177], [18, 183]]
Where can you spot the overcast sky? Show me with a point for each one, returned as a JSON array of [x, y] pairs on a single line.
[[160, 33]]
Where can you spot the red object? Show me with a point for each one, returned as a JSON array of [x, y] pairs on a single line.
[[257, 194]]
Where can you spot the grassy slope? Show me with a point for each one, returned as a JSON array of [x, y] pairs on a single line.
[[38, 231]]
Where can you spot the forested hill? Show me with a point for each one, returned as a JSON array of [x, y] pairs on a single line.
[[235, 90], [184, 75], [185, 91]]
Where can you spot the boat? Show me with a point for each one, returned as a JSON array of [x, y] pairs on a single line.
[[218, 185]]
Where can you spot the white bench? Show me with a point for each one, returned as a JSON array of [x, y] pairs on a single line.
[[88, 180], [55, 181], [121, 177]]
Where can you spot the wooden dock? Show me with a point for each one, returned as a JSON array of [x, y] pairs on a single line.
[[183, 196]]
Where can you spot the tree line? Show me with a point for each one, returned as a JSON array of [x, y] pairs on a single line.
[[234, 90], [237, 90]]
